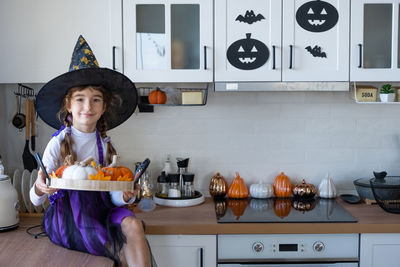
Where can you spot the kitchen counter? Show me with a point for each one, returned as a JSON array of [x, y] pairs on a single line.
[[201, 219]]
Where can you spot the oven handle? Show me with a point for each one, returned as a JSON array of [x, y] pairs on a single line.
[[201, 252], [299, 264], [289, 262]]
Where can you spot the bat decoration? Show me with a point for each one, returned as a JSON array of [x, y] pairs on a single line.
[[250, 17], [316, 51]]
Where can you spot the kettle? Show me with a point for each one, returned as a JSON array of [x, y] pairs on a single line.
[[9, 205]]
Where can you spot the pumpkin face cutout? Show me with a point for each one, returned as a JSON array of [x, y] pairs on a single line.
[[317, 16], [247, 54]]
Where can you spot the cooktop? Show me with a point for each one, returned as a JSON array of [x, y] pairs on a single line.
[[276, 210]]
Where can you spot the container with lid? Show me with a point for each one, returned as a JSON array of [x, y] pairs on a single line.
[[174, 190], [188, 188], [162, 185], [387, 193]]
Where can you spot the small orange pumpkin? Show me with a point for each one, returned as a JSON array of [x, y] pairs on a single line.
[[238, 188], [67, 162], [282, 207], [157, 97], [282, 186], [116, 172]]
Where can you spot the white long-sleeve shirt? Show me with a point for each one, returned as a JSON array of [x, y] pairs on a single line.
[[85, 145]]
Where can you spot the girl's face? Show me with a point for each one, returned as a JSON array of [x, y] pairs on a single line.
[[86, 107]]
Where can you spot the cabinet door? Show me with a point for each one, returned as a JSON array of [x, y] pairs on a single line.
[[168, 41], [375, 40], [315, 40], [38, 37], [248, 40], [377, 250], [184, 250]]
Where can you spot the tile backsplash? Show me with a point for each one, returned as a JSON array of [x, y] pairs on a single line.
[[258, 134]]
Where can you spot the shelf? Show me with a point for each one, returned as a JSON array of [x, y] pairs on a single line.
[[353, 93]]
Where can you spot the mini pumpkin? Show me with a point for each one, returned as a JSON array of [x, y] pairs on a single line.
[[117, 173], [218, 186], [282, 207], [282, 186], [157, 97], [80, 170], [304, 190], [261, 190], [238, 188], [327, 188], [67, 162]]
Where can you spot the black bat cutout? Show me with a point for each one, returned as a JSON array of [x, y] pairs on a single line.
[[249, 17], [316, 51]]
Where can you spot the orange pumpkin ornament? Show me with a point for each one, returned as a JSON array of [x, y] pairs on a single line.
[[282, 207], [157, 97], [67, 162], [282, 186], [238, 188], [117, 173]]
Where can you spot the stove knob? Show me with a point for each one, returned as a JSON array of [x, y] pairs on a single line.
[[318, 246], [258, 247]]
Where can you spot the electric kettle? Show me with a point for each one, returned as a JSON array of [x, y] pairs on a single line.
[[9, 205]]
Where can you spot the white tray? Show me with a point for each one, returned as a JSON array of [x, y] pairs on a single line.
[[91, 185], [179, 202]]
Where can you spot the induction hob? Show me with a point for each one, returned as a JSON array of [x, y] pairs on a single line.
[[274, 210]]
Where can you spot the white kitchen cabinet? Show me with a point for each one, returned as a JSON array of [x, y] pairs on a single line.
[[377, 250], [375, 40], [254, 42], [38, 37], [184, 250], [168, 40]]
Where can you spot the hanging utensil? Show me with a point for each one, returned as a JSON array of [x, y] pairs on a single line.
[[27, 158], [32, 113], [19, 119]]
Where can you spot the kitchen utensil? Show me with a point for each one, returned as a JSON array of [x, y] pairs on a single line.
[[27, 157], [32, 113], [8, 204], [363, 188], [17, 185], [25, 183], [19, 119], [352, 199], [40, 162], [387, 193]]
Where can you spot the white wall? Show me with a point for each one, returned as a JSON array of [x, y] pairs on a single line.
[[304, 134]]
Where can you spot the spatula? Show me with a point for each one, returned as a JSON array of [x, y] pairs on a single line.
[[28, 159]]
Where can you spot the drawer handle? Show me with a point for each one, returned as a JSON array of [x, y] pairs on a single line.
[[291, 57], [205, 57], [360, 55], [113, 57], [201, 257], [273, 57]]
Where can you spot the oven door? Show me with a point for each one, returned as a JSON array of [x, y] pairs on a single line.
[[339, 264]]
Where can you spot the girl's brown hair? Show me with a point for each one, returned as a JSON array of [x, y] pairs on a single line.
[[109, 99]]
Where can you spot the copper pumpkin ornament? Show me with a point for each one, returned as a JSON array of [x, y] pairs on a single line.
[[304, 190], [218, 186]]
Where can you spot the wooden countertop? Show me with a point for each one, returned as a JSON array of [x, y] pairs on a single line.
[[201, 219]]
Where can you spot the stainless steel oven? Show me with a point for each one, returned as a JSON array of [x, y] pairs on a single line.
[[291, 250]]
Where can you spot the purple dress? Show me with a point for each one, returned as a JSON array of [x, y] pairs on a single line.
[[86, 221]]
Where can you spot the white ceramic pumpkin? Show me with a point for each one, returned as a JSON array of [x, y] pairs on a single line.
[[327, 188], [261, 190], [80, 170]]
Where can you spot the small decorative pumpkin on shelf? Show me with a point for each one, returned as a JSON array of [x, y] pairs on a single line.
[[157, 97], [282, 207], [304, 190], [80, 170], [238, 188], [117, 173], [218, 186], [261, 190], [282, 186], [238, 206], [327, 188]]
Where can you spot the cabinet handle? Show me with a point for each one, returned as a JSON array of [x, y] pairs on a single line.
[[201, 257], [360, 55], [113, 57], [273, 57], [205, 57], [291, 57]]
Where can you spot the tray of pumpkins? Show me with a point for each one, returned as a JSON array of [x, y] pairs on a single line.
[[87, 176]]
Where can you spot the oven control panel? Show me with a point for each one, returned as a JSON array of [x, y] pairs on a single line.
[[288, 246]]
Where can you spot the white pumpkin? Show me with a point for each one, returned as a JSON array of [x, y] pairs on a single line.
[[327, 188], [261, 190], [80, 170]]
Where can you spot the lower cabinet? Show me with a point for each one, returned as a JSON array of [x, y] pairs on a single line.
[[184, 250], [380, 250]]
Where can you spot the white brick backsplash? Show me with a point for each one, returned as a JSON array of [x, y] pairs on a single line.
[[259, 134]]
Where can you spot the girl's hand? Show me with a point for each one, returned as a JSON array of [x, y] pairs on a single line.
[[41, 187], [128, 195]]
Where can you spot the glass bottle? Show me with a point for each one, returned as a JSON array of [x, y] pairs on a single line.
[[188, 188], [162, 185], [173, 190]]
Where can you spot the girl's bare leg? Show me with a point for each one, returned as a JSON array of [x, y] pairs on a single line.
[[136, 251]]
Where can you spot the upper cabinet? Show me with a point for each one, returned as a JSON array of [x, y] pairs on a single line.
[[38, 36], [168, 40], [308, 42], [375, 40]]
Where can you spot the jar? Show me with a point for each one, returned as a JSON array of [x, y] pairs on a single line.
[[188, 186], [162, 185], [173, 190]]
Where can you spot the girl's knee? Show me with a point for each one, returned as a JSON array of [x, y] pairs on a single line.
[[131, 225]]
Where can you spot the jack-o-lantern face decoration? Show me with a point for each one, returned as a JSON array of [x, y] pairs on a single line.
[[317, 16], [247, 54]]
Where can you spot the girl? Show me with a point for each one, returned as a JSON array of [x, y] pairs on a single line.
[[88, 221]]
